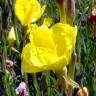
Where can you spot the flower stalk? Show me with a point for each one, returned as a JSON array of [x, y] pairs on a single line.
[[72, 71], [36, 85], [61, 81], [68, 17], [61, 7], [16, 34], [70, 11], [5, 78]]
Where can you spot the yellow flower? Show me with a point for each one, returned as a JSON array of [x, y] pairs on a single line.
[[47, 21], [31, 27], [28, 11], [49, 49], [11, 36]]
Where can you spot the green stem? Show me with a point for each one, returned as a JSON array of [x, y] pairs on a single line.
[[5, 77], [26, 81], [48, 83], [63, 84], [16, 33], [36, 85], [13, 86], [70, 11], [49, 91], [71, 71], [61, 8]]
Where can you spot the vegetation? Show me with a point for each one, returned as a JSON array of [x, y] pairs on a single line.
[[47, 48]]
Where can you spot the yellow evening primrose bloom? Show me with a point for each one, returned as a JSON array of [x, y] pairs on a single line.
[[49, 48], [11, 36], [47, 21], [28, 11]]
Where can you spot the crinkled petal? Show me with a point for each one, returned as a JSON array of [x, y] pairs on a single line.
[[49, 49], [37, 14], [64, 37], [42, 37], [28, 11]]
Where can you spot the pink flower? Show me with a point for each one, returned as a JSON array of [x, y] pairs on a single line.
[[21, 90], [9, 64], [92, 18]]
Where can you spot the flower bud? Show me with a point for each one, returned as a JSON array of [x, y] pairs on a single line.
[[11, 36], [82, 92], [70, 10], [59, 1], [85, 91]]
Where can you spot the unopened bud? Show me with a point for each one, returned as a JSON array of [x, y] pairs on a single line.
[[82, 92], [59, 1], [85, 91], [11, 36], [70, 10], [79, 93]]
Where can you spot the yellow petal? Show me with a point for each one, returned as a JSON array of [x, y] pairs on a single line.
[[64, 37], [42, 37], [40, 59], [11, 36], [28, 11], [31, 28], [30, 59], [49, 49], [47, 21], [37, 14]]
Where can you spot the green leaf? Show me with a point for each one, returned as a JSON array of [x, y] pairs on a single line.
[[71, 82]]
